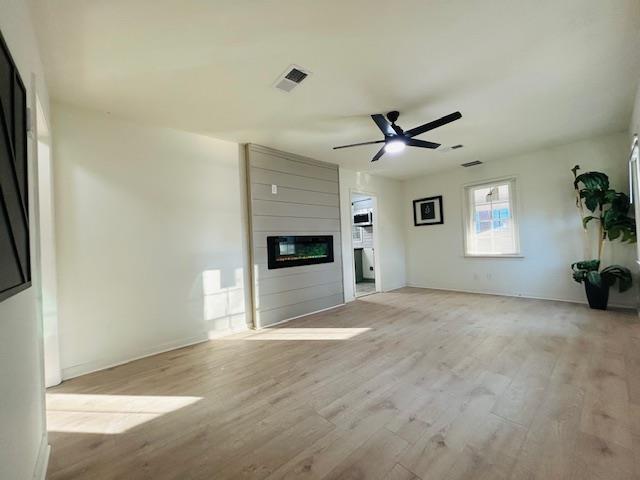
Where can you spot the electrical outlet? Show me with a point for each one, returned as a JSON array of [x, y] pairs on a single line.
[[274, 189]]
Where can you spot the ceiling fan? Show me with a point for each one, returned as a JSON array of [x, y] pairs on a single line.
[[396, 139]]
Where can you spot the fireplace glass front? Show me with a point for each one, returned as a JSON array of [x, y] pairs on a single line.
[[294, 251]]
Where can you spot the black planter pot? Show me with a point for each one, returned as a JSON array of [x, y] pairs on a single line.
[[598, 296]]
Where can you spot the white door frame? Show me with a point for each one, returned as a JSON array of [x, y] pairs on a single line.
[[376, 243], [45, 255]]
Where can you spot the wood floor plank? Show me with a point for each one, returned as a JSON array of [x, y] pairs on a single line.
[[274, 453], [550, 444], [606, 413], [317, 460], [596, 458], [398, 472], [373, 460], [527, 391], [444, 441]]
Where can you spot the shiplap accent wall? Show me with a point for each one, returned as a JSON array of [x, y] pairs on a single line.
[[307, 202]]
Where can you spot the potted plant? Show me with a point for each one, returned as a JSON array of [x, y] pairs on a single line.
[[610, 209]]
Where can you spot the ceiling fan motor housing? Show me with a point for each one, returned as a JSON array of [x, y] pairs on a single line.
[[393, 116]]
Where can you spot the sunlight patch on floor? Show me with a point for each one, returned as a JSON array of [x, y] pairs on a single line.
[[307, 334], [107, 414]]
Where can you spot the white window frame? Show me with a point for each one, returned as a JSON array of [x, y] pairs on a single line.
[[514, 207]]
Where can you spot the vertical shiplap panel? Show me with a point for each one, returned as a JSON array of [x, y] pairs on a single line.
[[307, 202]]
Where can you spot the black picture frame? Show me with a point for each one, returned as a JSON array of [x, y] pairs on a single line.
[[15, 260], [433, 213]]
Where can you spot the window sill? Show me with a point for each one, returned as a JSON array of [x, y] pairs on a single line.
[[488, 255]]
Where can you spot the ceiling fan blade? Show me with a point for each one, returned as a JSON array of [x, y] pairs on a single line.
[[358, 144], [435, 124], [383, 124], [377, 156], [414, 142]]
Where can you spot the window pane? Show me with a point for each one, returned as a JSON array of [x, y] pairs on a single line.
[[491, 227], [480, 195]]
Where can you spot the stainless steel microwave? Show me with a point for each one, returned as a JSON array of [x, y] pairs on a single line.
[[363, 219]]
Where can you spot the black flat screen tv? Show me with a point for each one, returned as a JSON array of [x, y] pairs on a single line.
[[15, 264]]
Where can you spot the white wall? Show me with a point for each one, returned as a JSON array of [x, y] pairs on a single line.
[[550, 232], [389, 228], [23, 441], [368, 261], [150, 238]]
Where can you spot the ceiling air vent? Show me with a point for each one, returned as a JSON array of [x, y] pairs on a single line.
[[471, 164], [291, 78]]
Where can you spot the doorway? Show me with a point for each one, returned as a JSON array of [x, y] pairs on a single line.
[[363, 228]]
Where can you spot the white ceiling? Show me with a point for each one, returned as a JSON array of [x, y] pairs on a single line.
[[525, 74]]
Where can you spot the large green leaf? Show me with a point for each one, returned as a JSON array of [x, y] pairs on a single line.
[[581, 270], [619, 202], [579, 275], [594, 278], [593, 199], [616, 223], [621, 274], [613, 232], [593, 181], [589, 265]]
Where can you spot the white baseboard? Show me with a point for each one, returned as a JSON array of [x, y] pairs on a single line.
[[42, 462], [516, 295], [103, 364], [302, 316], [226, 333]]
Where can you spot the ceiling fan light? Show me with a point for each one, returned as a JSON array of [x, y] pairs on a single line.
[[395, 146]]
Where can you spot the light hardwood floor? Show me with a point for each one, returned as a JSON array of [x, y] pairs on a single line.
[[412, 384]]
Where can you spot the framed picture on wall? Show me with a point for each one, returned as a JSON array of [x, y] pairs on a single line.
[[428, 211], [15, 261]]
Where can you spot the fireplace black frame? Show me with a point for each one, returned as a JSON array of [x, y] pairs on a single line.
[[273, 247]]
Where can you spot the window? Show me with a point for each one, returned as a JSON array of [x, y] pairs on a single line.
[[491, 227]]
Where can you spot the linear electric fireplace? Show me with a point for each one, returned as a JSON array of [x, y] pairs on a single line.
[[294, 251]]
